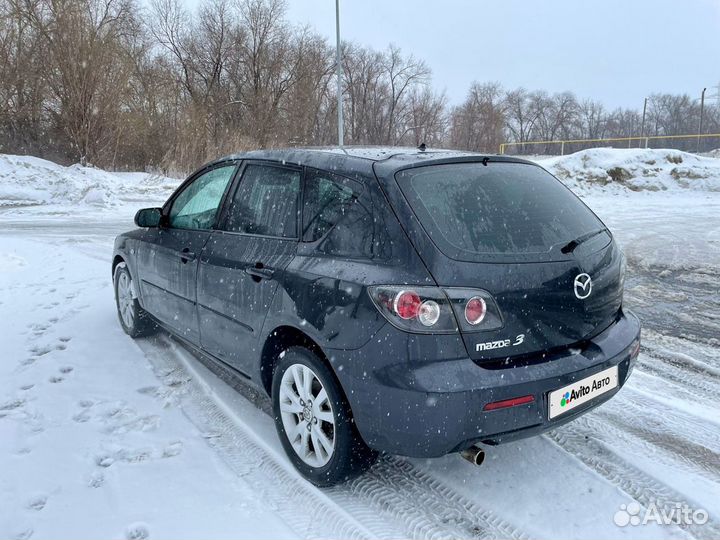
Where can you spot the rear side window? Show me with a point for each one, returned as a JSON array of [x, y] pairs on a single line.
[[501, 208], [266, 202], [327, 199]]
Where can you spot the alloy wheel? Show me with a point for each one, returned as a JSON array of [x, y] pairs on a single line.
[[125, 300], [307, 415]]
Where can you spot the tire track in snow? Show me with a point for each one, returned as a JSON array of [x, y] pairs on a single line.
[[296, 501], [397, 488], [685, 372], [392, 500], [641, 486], [665, 384], [669, 449]]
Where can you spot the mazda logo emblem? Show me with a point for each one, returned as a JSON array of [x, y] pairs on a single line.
[[582, 286]]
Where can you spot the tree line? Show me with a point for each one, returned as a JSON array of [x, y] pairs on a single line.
[[108, 83]]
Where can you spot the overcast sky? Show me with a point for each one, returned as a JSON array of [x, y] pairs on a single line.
[[617, 51]]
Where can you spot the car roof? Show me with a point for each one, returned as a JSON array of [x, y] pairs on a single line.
[[361, 160]]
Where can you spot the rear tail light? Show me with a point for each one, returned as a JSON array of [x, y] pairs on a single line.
[[475, 310], [407, 304], [417, 309], [429, 313], [433, 310]]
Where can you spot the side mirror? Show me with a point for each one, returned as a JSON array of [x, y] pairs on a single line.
[[148, 217]]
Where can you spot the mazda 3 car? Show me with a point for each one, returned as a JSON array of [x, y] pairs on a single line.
[[408, 301]]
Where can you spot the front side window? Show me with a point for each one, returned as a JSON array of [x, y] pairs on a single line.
[[326, 201], [197, 205], [266, 202]]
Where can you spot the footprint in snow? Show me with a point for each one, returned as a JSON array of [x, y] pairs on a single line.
[[66, 369], [37, 503], [40, 351], [26, 386], [137, 531], [56, 380], [25, 534], [173, 449], [12, 404], [84, 415], [97, 479], [104, 461], [65, 339], [148, 390], [81, 417], [125, 455], [38, 328]]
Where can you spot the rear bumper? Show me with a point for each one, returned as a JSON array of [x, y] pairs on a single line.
[[428, 408]]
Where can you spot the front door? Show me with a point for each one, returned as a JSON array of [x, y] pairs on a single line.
[[243, 263], [168, 258]]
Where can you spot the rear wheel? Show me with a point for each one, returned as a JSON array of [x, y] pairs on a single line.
[[313, 420], [134, 319]]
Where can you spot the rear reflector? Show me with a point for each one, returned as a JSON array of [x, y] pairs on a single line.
[[504, 404]]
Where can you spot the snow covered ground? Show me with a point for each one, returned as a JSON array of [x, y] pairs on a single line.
[[102, 436]]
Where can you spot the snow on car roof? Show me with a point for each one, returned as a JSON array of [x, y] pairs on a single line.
[[379, 153], [372, 153]]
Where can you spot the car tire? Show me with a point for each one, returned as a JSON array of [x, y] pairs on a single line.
[[134, 320], [308, 416]]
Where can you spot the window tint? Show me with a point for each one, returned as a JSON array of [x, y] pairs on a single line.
[[327, 199], [265, 202], [502, 208], [197, 205], [364, 231]]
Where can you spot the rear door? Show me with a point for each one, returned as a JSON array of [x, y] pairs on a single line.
[[244, 261], [168, 258], [507, 228]]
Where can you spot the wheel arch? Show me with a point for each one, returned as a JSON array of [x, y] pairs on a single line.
[[116, 261], [282, 338]]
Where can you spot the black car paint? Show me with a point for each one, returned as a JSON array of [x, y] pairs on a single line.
[[412, 394]]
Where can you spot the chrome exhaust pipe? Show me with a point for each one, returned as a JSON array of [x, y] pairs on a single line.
[[474, 455]]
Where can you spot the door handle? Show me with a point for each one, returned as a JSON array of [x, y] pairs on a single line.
[[187, 255], [259, 272]]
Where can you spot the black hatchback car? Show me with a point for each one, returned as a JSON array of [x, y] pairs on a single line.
[[397, 300]]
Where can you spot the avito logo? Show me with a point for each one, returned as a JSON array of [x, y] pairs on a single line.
[[584, 391]]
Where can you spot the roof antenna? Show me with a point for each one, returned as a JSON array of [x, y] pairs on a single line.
[[485, 160], [422, 147]]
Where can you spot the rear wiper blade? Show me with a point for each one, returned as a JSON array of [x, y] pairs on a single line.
[[572, 244]]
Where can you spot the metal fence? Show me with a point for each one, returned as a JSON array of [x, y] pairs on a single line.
[[688, 143]]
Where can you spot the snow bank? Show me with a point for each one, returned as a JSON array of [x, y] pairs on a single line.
[[618, 170], [30, 181]]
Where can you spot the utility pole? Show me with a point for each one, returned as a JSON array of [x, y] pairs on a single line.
[[702, 110], [642, 126], [338, 71]]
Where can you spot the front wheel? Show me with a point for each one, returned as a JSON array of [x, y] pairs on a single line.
[[133, 318], [313, 420]]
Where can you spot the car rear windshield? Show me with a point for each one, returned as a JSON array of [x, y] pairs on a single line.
[[501, 208]]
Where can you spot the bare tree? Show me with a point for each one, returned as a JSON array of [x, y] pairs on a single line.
[[89, 80], [478, 124]]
